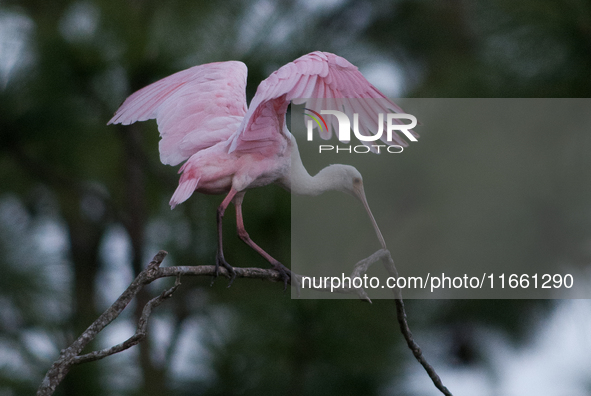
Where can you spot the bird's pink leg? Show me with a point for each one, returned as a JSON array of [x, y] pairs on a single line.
[[283, 270], [220, 253]]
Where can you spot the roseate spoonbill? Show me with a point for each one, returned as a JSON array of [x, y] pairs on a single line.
[[203, 118]]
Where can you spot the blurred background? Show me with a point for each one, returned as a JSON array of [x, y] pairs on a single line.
[[84, 207]]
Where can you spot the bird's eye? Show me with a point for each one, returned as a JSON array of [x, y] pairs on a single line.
[[356, 180]]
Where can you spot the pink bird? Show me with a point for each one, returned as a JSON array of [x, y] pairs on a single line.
[[203, 118]]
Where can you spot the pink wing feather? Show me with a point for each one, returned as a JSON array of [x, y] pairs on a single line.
[[194, 108], [335, 83]]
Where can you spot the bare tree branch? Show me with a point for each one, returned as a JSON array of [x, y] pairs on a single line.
[[388, 263], [140, 333], [71, 355], [60, 368]]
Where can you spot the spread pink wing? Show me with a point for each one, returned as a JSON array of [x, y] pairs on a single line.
[[333, 81], [194, 108]]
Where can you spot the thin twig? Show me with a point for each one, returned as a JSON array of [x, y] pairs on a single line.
[[358, 271], [140, 332], [388, 263]]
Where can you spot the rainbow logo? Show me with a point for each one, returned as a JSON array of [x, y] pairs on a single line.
[[316, 119]]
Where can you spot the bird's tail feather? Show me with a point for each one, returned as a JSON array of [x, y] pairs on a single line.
[[183, 191]]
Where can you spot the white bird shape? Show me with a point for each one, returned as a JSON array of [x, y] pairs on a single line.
[[203, 118]]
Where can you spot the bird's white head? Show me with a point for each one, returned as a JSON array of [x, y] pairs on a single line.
[[345, 178]]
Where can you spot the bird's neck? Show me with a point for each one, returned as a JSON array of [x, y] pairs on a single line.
[[302, 183]]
